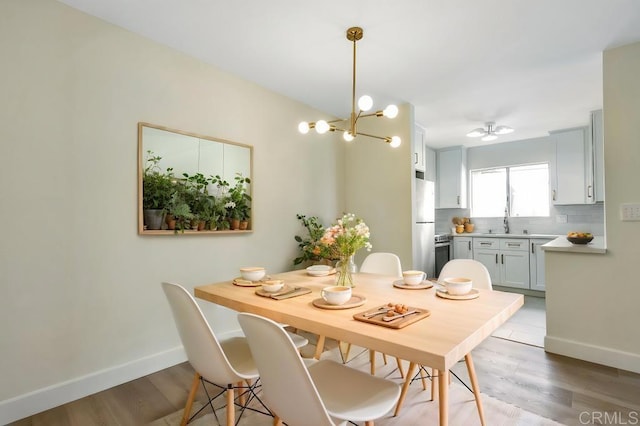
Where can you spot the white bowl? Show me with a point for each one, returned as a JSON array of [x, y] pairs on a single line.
[[271, 286], [252, 273], [458, 286], [319, 270]]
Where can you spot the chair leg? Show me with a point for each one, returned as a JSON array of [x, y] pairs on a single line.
[[405, 387], [474, 384], [368, 423], [384, 358], [423, 378], [400, 369], [192, 394], [372, 361], [231, 409], [319, 347], [345, 355], [242, 397], [277, 421]]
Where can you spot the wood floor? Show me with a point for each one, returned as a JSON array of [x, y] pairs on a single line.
[[566, 390]]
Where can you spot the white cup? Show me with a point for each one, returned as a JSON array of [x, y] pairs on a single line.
[[336, 295], [252, 273], [458, 286], [413, 277]]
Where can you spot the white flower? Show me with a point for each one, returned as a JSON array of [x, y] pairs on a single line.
[[230, 205]]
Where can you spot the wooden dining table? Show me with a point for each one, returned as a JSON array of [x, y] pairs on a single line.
[[451, 331]]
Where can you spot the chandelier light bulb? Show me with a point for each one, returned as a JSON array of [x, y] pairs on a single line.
[[347, 136], [391, 111], [322, 127], [303, 127], [395, 141], [365, 103], [490, 137]]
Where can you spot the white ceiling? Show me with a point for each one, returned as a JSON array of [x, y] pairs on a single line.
[[533, 65]]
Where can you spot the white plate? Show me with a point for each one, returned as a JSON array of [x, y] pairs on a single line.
[[319, 270]]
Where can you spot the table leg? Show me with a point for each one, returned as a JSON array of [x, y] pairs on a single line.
[[443, 405], [405, 387], [319, 347], [474, 385]]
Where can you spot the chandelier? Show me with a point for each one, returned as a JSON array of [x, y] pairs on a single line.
[[490, 133], [364, 104]]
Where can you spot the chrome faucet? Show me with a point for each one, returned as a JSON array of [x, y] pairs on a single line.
[[506, 222]]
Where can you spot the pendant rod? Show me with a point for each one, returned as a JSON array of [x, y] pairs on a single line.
[[352, 130]]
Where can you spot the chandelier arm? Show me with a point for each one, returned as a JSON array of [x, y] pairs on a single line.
[[382, 138], [376, 114]]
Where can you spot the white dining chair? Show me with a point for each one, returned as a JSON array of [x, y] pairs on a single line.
[[384, 264], [224, 361], [479, 275], [322, 393]]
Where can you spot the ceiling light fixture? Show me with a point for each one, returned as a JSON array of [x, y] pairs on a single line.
[[364, 104], [490, 133]]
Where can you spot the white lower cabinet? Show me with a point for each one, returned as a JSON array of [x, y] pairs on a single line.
[[462, 248], [507, 260], [536, 264]]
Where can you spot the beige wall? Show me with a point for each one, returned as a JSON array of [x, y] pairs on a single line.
[[592, 300], [81, 306]]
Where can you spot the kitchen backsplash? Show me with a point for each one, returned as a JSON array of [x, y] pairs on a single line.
[[581, 218]]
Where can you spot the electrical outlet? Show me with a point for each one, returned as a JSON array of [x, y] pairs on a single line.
[[561, 218], [630, 212]]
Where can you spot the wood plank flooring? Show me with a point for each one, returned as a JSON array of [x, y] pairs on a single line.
[[566, 390]]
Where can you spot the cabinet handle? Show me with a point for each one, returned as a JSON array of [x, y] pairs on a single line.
[[502, 259], [532, 249], [469, 245], [513, 244], [496, 258], [554, 195], [458, 200], [415, 154], [589, 191], [485, 244]]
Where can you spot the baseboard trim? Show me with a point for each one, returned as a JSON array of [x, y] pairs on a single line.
[[43, 399], [600, 355]]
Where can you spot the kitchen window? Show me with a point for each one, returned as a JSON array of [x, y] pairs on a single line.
[[523, 190]]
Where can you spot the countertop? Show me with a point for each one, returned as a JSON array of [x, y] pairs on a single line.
[[597, 246], [496, 235]]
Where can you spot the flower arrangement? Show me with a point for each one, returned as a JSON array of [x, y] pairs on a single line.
[[342, 240]]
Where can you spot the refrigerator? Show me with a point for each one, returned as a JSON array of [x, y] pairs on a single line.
[[424, 247]]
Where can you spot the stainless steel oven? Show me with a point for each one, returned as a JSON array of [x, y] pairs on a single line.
[[443, 251]]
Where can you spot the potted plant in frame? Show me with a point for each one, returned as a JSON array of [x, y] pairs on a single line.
[[240, 202], [157, 190]]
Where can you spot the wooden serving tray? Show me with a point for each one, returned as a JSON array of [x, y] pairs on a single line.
[[399, 323]]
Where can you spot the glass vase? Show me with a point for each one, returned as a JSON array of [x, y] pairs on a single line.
[[345, 268]]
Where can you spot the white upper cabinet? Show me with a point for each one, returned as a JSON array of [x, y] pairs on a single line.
[[597, 149], [451, 184], [571, 172], [418, 149], [579, 164]]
